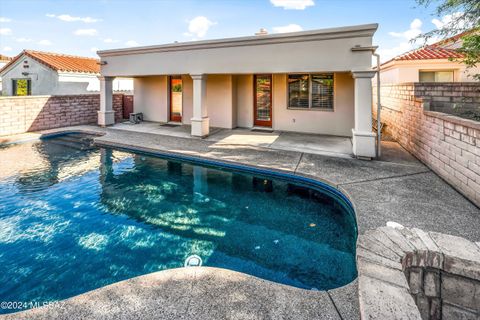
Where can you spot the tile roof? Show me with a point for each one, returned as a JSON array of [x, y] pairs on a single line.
[[429, 52], [4, 58], [60, 62], [443, 49]]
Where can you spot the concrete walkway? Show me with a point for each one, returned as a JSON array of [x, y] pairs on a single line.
[[192, 293], [311, 143], [398, 188]]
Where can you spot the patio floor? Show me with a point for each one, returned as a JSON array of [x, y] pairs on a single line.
[[291, 141]]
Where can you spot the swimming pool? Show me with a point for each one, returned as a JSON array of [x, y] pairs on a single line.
[[75, 217]]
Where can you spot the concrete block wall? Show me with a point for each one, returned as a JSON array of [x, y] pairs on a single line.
[[442, 295], [33, 113], [449, 145]]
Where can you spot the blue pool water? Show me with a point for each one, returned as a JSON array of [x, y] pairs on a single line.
[[74, 217]]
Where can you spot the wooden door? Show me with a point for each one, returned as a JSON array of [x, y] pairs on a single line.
[[262, 112], [127, 106], [176, 104]]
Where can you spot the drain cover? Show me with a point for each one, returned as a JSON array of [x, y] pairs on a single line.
[[193, 261]]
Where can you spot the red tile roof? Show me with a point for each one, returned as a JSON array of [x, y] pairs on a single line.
[[429, 52], [438, 50], [60, 62], [4, 58]]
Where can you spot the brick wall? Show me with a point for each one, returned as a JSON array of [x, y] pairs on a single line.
[[33, 113], [449, 145]]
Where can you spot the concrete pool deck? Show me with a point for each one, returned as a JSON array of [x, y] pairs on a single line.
[[397, 188]]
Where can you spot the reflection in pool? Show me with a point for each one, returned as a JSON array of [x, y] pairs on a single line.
[[74, 217]]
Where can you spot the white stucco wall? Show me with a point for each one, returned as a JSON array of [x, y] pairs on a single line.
[[329, 50], [408, 71], [230, 103], [338, 122], [187, 99], [244, 101], [151, 98], [248, 59], [220, 101], [45, 81]]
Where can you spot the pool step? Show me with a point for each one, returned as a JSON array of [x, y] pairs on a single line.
[[74, 142]]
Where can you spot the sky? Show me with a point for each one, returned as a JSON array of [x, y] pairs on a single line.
[[82, 27]]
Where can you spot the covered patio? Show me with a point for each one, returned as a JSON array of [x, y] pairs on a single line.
[[335, 146], [315, 82]]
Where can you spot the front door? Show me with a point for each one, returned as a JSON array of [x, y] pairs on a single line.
[[176, 90], [262, 112]]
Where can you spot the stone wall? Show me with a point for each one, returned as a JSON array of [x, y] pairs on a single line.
[[442, 295], [449, 145], [408, 273], [33, 113]]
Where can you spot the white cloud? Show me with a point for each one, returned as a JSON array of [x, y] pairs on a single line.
[[131, 43], [288, 28], [86, 32], [110, 40], [293, 4], [5, 19], [23, 40], [388, 53], [5, 49], [94, 49], [69, 18], [45, 42], [450, 19], [5, 31], [405, 44], [199, 26], [414, 31]]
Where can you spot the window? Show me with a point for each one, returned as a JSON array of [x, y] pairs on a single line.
[[310, 91], [436, 76], [22, 87]]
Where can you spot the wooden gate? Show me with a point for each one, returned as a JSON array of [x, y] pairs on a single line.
[[127, 105]]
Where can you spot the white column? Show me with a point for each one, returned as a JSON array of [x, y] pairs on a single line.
[[106, 115], [200, 121], [363, 137]]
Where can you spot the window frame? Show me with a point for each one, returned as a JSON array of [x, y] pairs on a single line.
[[14, 87], [435, 75], [332, 109]]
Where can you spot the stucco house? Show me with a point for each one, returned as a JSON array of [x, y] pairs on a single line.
[[432, 63], [45, 73], [3, 61], [316, 81]]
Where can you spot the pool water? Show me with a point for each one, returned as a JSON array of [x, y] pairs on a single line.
[[75, 217]]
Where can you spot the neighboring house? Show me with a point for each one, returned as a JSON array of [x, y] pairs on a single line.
[[45, 73], [315, 81], [432, 63], [3, 61]]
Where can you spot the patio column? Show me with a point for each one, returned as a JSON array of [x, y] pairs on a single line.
[[106, 115], [200, 121], [363, 138]]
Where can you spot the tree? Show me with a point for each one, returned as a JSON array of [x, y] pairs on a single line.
[[464, 18]]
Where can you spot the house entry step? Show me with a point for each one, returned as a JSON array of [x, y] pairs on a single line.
[[171, 124], [262, 129]]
